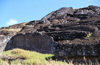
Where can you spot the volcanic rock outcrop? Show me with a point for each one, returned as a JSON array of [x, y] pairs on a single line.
[[64, 32], [29, 41]]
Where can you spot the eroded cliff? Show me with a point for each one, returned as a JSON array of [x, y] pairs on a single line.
[[64, 32]]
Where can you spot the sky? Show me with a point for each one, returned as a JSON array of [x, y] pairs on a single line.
[[18, 11]]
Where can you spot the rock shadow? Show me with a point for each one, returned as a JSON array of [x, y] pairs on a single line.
[[79, 60]]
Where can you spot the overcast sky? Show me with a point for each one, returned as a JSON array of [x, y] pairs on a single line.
[[18, 11]]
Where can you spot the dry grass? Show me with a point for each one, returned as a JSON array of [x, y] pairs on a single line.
[[23, 57], [12, 30]]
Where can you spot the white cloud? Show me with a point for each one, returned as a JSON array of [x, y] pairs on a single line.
[[11, 22]]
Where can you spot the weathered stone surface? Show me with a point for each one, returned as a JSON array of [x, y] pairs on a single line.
[[3, 41], [72, 50], [33, 42], [59, 36], [59, 14], [76, 32]]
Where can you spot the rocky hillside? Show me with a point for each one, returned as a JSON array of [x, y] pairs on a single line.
[[64, 32]]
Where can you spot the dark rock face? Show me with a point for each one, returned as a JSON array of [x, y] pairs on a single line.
[[33, 42], [90, 10], [76, 32], [66, 35], [59, 13], [74, 50]]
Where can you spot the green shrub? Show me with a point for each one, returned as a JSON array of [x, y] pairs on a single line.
[[89, 35]]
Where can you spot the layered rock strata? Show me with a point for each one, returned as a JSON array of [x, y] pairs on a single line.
[[64, 32]]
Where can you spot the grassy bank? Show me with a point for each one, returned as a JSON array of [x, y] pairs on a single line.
[[24, 57]]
